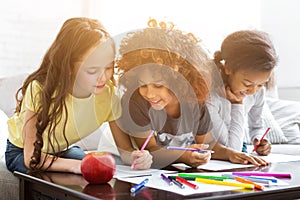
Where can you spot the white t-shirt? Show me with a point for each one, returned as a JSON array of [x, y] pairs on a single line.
[[231, 122]]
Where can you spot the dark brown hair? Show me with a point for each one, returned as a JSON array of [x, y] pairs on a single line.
[[247, 50]]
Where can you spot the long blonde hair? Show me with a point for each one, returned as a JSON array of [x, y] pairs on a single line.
[[56, 75]]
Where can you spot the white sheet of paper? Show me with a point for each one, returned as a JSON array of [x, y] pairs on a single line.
[[155, 181], [274, 158], [215, 165], [218, 165], [124, 171]]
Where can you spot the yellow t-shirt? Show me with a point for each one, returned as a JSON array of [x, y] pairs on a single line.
[[84, 116]]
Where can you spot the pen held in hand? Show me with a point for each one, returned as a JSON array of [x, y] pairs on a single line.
[[190, 149], [261, 139], [144, 146]]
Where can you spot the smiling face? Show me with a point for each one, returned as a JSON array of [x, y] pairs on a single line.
[[246, 82], [154, 90], [95, 71]]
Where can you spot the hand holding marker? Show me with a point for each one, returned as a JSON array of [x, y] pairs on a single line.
[[261, 139], [144, 145]]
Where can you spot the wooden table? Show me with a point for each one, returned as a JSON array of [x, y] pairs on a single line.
[[71, 186]]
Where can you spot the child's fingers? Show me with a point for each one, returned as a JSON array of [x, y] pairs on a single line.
[[264, 149], [143, 162], [142, 157], [199, 146]]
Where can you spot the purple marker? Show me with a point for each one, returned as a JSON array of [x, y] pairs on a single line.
[[169, 181], [190, 149]]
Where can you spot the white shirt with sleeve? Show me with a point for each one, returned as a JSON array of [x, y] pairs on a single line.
[[231, 122]]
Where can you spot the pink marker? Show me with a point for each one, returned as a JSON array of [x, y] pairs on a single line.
[[261, 139], [281, 175], [144, 145]]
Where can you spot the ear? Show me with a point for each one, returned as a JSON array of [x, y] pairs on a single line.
[[227, 69]]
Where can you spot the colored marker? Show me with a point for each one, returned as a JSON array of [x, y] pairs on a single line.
[[182, 180], [168, 180], [190, 149], [243, 180], [209, 181], [178, 183], [144, 145], [255, 178], [282, 175], [139, 186], [261, 139], [219, 178], [186, 178], [252, 178]]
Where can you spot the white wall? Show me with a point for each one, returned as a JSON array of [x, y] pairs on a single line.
[[210, 20], [27, 31], [281, 18]]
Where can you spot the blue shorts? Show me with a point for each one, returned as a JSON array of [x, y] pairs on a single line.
[[244, 149], [14, 156]]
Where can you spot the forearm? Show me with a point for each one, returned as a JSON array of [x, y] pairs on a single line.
[[126, 155], [228, 130], [123, 143], [58, 165], [220, 151], [236, 132]]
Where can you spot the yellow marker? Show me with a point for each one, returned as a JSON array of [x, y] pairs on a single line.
[[209, 181]]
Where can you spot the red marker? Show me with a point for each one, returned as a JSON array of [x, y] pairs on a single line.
[[261, 139], [182, 180]]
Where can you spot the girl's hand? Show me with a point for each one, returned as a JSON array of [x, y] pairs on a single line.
[[141, 159], [264, 147], [243, 158], [194, 159], [230, 96]]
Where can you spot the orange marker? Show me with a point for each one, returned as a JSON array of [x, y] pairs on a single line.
[[242, 180]]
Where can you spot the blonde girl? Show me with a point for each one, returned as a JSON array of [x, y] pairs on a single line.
[[67, 98]]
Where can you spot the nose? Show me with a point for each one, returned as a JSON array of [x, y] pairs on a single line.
[[104, 77], [149, 92]]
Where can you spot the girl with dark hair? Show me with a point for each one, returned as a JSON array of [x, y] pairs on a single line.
[[165, 81], [245, 62]]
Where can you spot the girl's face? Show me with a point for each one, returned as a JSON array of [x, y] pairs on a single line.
[[95, 71], [158, 96], [152, 88], [246, 82]]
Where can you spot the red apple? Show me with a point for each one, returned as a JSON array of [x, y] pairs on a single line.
[[98, 167]]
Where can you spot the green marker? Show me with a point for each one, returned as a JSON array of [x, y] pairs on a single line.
[[220, 178]]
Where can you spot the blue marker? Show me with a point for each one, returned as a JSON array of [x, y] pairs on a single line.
[[139, 186], [254, 178]]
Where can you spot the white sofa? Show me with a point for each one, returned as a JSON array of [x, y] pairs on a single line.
[[102, 140]]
